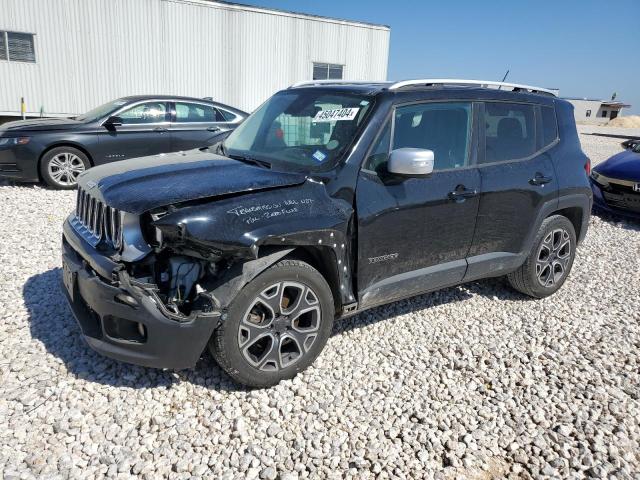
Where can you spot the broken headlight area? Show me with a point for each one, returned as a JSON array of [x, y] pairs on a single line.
[[176, 283]]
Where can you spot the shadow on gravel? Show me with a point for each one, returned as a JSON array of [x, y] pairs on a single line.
[[25, 185], [52, 323], [493, 288], [617, 220]]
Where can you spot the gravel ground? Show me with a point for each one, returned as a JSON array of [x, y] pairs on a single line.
[[470, 382]]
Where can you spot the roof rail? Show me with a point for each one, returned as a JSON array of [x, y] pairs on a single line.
[[480, 83], [307, 83]]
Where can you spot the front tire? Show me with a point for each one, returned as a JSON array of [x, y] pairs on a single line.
[[550, 260], [61, 166], [276, 326]]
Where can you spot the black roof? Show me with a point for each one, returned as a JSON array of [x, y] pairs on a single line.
[[416, 92]]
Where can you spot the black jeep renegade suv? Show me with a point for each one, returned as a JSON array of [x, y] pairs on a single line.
[[329, 199]]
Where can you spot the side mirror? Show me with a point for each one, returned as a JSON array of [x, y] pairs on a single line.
[[411, 161], [113, 122]]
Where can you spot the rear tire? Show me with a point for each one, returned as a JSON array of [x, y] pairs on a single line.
[[550, 260], [61, 166], [276, 326]]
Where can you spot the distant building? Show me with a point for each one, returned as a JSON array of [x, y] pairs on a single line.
[[587, 110]]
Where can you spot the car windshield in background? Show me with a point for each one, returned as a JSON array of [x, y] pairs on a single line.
[[306, 130], [101, 111]]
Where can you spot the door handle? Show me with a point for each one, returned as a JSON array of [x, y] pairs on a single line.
[[540, 179], [160, 129], [213, 129], [461, 193]]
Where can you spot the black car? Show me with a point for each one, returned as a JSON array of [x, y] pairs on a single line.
[[58, 150], [330, 199]]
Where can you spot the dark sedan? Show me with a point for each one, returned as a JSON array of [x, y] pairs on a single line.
[[616, 183], [58, 150]]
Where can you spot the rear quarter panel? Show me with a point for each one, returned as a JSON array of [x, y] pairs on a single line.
[[568, 158]]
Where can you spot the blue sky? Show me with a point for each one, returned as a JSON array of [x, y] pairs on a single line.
[[587, 48]]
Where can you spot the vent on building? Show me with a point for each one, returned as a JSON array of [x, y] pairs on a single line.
[[327, 71], [17, 47]]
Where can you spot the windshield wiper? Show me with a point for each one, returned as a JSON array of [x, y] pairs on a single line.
[[251, 160]]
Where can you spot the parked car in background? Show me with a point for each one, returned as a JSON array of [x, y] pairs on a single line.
[[58, 150], [329, 199], [616, 182], [631, 143]]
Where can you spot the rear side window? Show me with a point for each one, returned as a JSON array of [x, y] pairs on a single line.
[[510, 131], [228, 116], [549, 126], [197, 113]]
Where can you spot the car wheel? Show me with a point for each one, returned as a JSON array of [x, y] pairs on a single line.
[[61, 166], [276, 326], [550, 260]]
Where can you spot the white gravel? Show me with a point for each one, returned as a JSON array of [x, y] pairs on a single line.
[[469, 382]]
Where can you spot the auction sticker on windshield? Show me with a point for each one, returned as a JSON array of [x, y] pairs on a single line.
[[336, 114]]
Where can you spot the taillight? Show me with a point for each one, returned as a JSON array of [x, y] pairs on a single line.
[[587, 167]]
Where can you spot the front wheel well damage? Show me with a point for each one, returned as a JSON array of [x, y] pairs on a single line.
[[324, 260]]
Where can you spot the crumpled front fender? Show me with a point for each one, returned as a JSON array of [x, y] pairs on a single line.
[[241, 226]]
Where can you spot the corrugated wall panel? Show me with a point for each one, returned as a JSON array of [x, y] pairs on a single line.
[[91, 51]]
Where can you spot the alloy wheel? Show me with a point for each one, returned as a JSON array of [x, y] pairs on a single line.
[[280, 326], [65, 168], [553, 257]]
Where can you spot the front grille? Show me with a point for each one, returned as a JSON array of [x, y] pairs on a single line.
[[624, 201], [97, 221]]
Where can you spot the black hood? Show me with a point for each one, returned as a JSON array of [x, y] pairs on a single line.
[[142, 184], [39, 125]]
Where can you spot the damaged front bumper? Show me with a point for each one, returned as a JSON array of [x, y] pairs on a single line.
[[123, 319]]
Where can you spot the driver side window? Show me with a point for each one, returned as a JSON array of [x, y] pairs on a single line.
[[150, 112], [442, 127]]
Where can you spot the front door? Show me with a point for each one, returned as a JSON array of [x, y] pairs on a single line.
[[414, 233], [195, 125], [144, 131]]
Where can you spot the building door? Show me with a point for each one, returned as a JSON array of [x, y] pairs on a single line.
[[614, 114]]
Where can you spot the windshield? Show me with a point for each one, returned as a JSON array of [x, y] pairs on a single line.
[[101, 111], [305, 130], [636, 148]]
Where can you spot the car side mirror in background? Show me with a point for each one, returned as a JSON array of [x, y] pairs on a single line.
[[113, 122], [411, 161]]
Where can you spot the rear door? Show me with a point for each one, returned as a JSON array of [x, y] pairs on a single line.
[[414, 232], [144, 131], [195, 125], [518, 179]]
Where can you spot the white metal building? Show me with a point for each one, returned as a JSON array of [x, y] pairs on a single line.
[[67, 56], [597, 112]]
